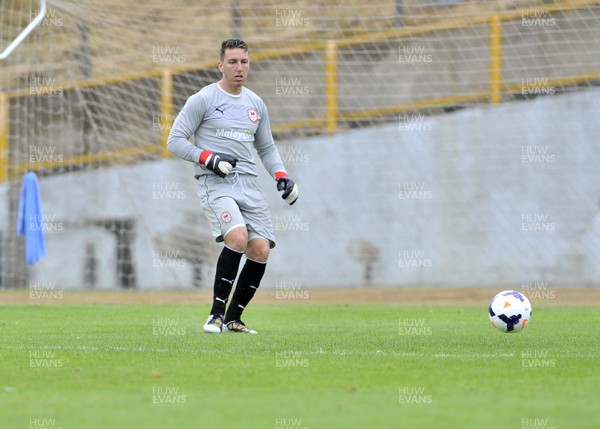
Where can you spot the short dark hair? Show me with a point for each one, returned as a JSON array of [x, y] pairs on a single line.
[[232, 44]]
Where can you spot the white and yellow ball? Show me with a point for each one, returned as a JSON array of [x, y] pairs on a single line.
[[510, 311]]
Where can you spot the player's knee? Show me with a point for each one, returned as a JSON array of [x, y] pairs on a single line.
[[237, 239], [258, 250]]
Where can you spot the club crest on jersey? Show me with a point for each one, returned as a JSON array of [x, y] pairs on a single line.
[[226, 217], [253, 115]]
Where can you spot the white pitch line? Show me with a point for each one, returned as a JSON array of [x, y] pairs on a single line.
[[319, 352]]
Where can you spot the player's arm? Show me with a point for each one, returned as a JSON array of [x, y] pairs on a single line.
[[185, 125], [267, 151]]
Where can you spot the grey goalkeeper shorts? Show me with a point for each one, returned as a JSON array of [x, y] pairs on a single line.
[[237, 200]]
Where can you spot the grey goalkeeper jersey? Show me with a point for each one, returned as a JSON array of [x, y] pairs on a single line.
[[231, 124]]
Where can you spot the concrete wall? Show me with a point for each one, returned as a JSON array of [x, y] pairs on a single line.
[[495, 195], [486, 196]]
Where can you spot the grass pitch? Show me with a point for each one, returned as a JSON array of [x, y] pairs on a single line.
[[313, 366]]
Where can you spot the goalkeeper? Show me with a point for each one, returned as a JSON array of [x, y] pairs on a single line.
[[227, 120]]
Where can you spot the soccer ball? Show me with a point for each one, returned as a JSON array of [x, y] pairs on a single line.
[[510, 311]]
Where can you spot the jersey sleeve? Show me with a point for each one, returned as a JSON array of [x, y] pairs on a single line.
[[265, 145], [185, 125]]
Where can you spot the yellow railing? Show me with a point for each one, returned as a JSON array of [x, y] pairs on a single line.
[[495, 60], [331, 98], [166, 107], [330, 49], [116, 156], [4, 123]]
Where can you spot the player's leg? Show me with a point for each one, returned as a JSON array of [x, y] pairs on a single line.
[[227, 225], [227, 268], [237, 238], [257, 253], [258, 248], [261, 239]]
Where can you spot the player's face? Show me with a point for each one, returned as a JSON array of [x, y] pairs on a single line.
[[234, 67]]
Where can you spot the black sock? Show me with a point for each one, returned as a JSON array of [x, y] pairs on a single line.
[[247, 284], [227, 268]]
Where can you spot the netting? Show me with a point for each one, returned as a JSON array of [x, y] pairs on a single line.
[[440, 100]]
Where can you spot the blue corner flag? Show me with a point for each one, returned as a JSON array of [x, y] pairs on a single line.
[[30, 222]]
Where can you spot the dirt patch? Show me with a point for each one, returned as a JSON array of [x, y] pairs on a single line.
[[419, 297]]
